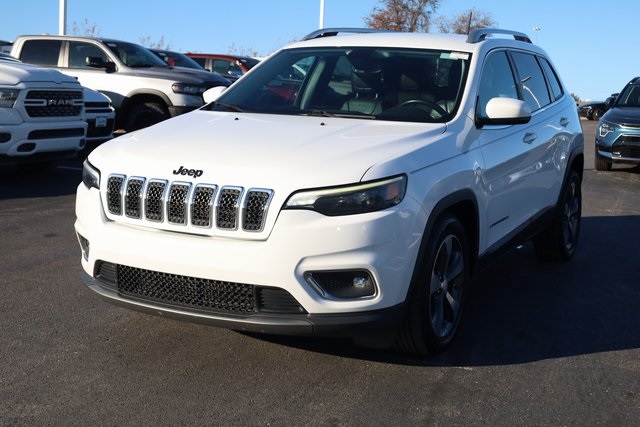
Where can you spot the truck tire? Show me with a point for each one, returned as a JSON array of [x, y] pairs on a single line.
[[146, 114]]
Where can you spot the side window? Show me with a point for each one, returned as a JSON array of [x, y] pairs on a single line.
[[41, 52], [532, 82], [201, 61], [496, 80], [79, 51], [552, 78]]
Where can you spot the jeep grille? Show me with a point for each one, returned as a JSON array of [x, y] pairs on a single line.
[[54, 103], [183, 203]]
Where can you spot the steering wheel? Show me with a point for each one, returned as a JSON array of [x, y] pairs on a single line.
[[429, 104]]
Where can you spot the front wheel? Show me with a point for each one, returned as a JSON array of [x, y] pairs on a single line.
[[436, 298], [560, 240], [146, 114]]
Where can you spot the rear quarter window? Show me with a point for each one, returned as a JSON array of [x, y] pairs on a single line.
[[554, 83], [41, 52]]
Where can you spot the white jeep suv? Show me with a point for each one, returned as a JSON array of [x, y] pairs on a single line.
[[349, 185]]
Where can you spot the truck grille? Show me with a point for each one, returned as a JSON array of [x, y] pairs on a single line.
[[182, 203], [54, 103], [196, 293]]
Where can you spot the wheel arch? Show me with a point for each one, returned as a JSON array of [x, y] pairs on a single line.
[[141, 97]]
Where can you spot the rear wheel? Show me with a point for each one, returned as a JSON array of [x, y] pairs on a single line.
[[560, 240], [437, 296], [146, 114]]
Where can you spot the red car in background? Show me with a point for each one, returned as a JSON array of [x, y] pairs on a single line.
[[230, 66]]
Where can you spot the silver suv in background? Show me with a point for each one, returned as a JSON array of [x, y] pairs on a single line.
[[142, 88]]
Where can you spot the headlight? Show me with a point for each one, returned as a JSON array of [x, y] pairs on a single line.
[[8, 97], [90, 175], [605, 129], [188, 89], [351, 199]]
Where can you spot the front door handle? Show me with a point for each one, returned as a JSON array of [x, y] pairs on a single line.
[[529, 137]]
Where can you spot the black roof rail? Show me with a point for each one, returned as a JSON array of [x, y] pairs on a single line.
[[329, 32], [480, 34]]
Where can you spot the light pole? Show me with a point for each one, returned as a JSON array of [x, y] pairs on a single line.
[[321, 25], [62, 18]]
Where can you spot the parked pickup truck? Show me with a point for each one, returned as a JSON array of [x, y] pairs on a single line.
[[143, 89], [41, 114]]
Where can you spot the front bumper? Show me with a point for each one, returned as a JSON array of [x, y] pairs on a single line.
[[380, 323]]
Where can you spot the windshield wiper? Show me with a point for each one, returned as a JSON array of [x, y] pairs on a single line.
[[323, 113], [230, 107]]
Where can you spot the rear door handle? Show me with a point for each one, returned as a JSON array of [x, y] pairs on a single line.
[[564, 122], [529, 137]]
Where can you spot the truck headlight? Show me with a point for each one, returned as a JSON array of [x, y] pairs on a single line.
[[351, 199], [188, 89], [90, 175], [8, 97]]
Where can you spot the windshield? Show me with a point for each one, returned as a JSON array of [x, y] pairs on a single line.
[[135, 56], [629, 97], [369, 83]]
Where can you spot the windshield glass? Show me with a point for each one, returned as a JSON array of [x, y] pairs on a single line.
[[369, 83], [629, 97], [135, 56]]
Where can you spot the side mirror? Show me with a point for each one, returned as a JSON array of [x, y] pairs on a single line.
[[97, 62], [505, 111], [611, 100], [212, 94]]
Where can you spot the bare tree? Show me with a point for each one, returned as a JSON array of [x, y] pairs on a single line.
[[403, 15], [85, 29], [160, 44], [467, 21]]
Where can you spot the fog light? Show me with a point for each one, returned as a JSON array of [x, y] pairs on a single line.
[[84, 246], [350, 284]]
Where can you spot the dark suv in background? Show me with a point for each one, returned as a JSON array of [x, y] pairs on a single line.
[[618, 133]]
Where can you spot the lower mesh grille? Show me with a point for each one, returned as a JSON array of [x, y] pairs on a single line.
[[196, 293]]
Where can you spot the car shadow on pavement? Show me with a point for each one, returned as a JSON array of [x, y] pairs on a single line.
[[26, 181], [521, 310]]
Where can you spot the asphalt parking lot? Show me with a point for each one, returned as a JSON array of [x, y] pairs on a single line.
[[541, 344]]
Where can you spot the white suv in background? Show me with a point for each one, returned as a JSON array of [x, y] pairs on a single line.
[[350, 185]]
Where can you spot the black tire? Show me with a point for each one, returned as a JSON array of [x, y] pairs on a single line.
[[602, 164], [560, 240], [597, 113], [145, 114], [437, 297]]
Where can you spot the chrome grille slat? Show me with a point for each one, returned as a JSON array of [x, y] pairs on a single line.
[[177, 203], [255, 208], [133, 197], [227, 208], [114, 194], [154, 200], [205, 206], [202, 205]]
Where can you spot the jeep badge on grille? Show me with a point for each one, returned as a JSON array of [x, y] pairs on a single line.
[[191, 172]]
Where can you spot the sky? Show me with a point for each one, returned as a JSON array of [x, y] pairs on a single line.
[[593, 44]]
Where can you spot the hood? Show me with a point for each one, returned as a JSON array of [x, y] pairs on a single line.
[[179, 74], [623, 116], [267, 151], [13, 73]]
